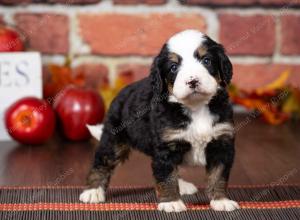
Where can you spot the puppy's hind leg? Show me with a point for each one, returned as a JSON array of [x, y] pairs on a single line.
[[107, 157]]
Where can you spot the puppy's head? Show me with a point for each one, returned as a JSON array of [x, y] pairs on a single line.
[[191, 67]]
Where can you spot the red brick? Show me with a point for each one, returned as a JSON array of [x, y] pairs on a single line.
[[133, 72], [96, 75], [242, 2], [69, 2], [150, 2], [218, 2], [253, 76], [13, 2], [247, 35], [47, 33], [279, 3], [123, 34], [290, 34]]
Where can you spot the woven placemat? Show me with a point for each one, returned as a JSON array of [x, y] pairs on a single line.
[[51, 202]]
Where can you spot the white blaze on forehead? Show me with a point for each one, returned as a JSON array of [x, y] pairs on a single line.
[[186, 42]]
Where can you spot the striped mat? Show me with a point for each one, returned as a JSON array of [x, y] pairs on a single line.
[[50, 202]]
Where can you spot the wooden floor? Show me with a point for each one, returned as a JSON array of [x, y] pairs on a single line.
[[264, 155]]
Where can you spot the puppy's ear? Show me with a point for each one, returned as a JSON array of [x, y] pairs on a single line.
[[225, 67], [156, 72], [156, 78]]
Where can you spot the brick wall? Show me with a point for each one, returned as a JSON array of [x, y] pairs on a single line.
[[113, 37]]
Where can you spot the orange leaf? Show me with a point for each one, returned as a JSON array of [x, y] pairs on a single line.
[[276, 84], [61, 76]]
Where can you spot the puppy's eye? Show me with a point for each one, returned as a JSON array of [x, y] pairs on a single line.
[[174, 68], [206, 61]]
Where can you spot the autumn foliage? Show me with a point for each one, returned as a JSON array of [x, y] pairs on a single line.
[[61, 76], [275, 102]]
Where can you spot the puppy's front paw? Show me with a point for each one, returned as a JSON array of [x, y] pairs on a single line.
[[224, 205], [186, 188], [92, 195], [174, 206]]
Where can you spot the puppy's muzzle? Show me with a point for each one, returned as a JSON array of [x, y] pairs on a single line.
[[193, 84]]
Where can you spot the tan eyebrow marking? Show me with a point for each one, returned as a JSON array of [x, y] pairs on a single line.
[[174, 57], [202, 50]]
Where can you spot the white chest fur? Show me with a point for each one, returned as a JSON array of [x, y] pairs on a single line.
[[199, 133]]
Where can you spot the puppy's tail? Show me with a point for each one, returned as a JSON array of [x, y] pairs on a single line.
[[95, 130]]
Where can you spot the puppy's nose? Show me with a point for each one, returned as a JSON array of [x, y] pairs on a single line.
[[193, 83]]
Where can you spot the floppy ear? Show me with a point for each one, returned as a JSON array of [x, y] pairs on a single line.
[[156, 72], [225, 67], [155, 75]]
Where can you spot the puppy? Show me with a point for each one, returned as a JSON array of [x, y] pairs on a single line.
[[179, 115]]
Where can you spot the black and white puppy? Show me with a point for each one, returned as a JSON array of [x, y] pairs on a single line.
[[179, 115]]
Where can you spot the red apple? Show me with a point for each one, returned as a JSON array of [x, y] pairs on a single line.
[[30, 120], [10, 40], [77, 107]]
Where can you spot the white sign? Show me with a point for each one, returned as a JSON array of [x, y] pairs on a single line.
[[20, 76]]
